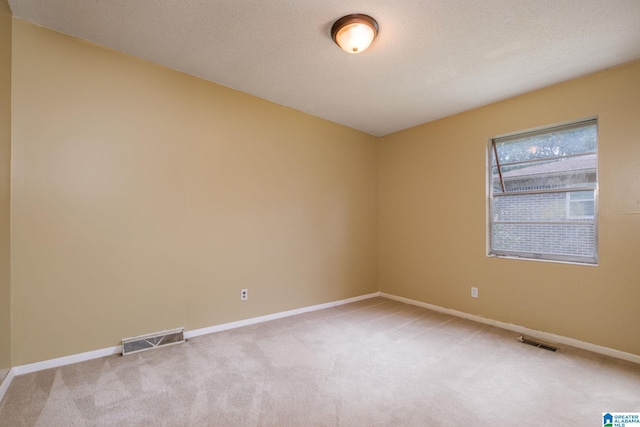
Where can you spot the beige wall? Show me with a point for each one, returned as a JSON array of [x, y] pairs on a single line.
[[5, 185], [145, 199], [433, 216]]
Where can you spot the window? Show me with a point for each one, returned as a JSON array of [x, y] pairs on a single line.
[[543, 194], [580, 204]]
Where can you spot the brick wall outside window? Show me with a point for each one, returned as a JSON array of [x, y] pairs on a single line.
[[560, 239]]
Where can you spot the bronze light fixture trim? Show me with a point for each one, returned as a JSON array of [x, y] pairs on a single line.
[[354, 33]]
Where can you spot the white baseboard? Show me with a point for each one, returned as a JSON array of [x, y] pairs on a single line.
[[96, 354], [268, 317], [546, 336], [6, 382], [66, 360]]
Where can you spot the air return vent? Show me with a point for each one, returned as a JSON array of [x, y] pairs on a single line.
[[537, 344], [151, 341]]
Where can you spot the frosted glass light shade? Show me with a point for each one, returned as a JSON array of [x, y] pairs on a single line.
[[354, 33]]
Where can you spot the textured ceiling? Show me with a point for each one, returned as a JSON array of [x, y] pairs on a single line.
[[431, 58]]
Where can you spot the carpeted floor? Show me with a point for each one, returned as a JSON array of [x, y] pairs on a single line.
[[372, 363]]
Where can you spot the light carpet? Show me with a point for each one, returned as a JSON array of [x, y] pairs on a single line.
[[372, 363]]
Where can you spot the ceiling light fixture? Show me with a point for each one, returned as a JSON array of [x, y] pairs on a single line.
[[354, 33]]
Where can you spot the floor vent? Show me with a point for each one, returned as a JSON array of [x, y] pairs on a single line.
[[151, 341], [537, 344]]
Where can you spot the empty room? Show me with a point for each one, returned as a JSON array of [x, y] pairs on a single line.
[[337, 213]]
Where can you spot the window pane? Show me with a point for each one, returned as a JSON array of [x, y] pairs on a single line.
[[563, 142], [552, 239], [581, 209], [537, 207], [542, 199], [581, 195], [560, 173]]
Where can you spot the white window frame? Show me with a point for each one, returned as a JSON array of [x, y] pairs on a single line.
[[588, 260]]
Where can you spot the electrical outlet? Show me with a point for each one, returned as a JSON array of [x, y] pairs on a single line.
[[474, 292], [244, 294]]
